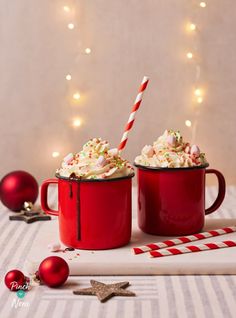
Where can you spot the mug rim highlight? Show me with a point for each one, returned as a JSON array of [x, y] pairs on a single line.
[[170, 169], [57, 175]]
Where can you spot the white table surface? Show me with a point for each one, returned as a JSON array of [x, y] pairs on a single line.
[[122, 261], [157, 296]]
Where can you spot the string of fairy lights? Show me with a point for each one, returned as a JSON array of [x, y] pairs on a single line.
[[69, 11], [198, 93]]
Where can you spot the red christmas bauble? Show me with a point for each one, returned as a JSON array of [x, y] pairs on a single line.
[[15, 280], [16, 188], [53, 271]]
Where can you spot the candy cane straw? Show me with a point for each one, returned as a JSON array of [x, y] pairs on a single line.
[[183, 239], [192, 248], [136, 105]]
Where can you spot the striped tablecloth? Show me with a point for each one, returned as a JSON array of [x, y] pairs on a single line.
[[157, 296]]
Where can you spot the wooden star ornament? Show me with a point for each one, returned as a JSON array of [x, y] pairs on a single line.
[[29, 214], [105, 291]]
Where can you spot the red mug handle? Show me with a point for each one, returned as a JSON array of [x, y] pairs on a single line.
[[221, 191], [44, 196]]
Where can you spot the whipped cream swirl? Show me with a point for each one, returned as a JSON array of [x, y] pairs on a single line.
[[169, 150], [95, 161]]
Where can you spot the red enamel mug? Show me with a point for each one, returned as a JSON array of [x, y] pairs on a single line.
[[171, 201], [93, 214]]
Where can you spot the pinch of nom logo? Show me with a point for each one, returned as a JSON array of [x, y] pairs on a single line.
[[17, 302]]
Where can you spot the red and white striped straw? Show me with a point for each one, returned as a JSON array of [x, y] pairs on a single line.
[[192, 248], [135, 107], [183, 239]]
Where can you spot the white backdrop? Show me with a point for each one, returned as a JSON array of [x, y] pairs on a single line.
[[128, 39]]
